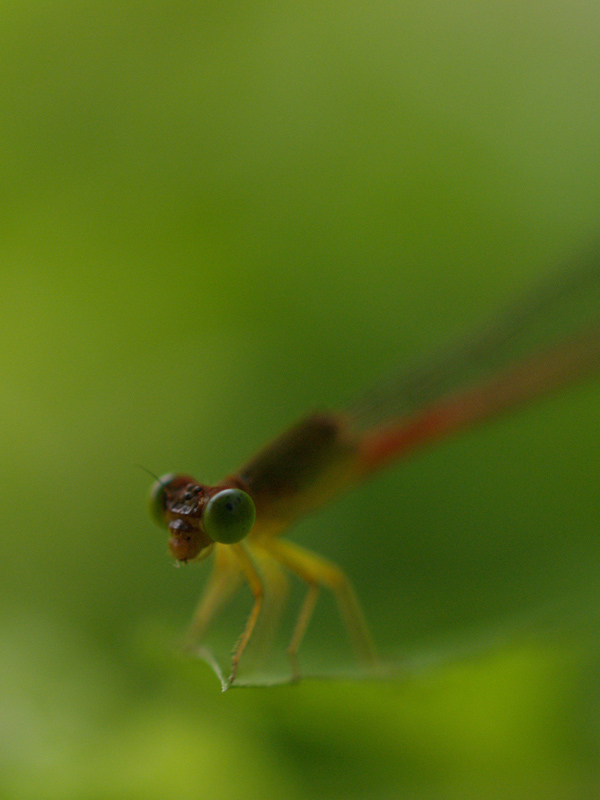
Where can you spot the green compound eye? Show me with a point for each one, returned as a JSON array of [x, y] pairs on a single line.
[[157, 497], [229, 516]]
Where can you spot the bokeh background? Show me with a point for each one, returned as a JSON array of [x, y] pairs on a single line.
[[216, 216]]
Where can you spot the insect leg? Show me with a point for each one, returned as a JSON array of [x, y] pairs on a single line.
[[316, 572], [222, 584], [256, 587]]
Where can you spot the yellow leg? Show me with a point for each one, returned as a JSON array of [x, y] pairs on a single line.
[[224, 580], [316, 572], [256, 587], [304, 617]]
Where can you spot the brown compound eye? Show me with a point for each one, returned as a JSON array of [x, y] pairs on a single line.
[[186, 541]]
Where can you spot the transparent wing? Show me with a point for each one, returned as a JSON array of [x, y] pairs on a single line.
[[558, 310], [548, 339]]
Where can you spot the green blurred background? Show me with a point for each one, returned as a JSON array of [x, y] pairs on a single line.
[[216, 216]]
